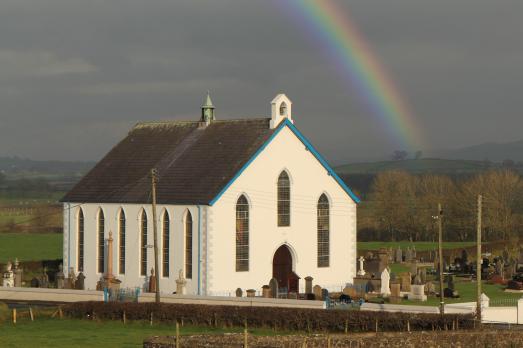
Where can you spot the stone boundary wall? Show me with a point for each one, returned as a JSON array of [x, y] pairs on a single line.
[[437, 339], [69, 296]]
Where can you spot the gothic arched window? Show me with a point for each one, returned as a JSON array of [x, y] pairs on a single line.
[[188, 245], [165, 244], [323, 231], [284, 200], [143, 244], [101, 241], [121, 242], [242, 234], [80, 241]]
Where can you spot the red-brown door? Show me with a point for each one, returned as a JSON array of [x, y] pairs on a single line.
[[282, 269]]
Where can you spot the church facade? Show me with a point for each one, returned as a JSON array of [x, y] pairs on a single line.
[[239, 202]]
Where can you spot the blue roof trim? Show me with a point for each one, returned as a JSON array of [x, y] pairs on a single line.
[[308, 145]]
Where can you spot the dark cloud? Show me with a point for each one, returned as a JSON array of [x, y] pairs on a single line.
[[75, 75]]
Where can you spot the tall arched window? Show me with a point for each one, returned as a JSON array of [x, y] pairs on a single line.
[[101, 241], [143, 244], [80, 241], [188, 245], [242, 234], [284, 200], [323, 231], [165, 244], [121, 242]]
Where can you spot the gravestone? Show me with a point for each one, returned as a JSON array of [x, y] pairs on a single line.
[[405, 280], [361, 271], [44, 279], [80, 282], [350, 291], [251, 292], [399, 255], [423, 275], [273, 284], [385, 279], [417, 279], [239, 292], [35, 283], [408, 255], [60, 278], [180, 284], [414, 267], [152, 281], [450, 282], [317, 290], [266, 291], [430, 288], [18, 274], [324, 294], [8, 279], [308, 284], [413, 252], [417, 293], [390, 252], [395, 289]]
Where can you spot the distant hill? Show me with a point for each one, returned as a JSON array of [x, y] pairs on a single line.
[[495, 152], [15, 167], [419, 166]]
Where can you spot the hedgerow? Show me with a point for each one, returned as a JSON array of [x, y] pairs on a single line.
[[288, 319]]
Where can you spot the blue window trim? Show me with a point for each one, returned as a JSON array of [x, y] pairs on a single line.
[[308, 145]]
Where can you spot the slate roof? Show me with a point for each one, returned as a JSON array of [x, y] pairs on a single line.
[[194, 163]]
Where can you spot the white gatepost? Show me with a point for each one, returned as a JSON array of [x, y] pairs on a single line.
[[520, 311]]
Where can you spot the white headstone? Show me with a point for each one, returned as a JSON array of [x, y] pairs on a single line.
[[385, 282], [361, 271]]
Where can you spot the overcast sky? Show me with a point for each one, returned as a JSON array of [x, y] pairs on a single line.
[[76, 75]]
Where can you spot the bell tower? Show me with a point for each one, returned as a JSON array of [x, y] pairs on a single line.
[[207, 110], [281, 108]]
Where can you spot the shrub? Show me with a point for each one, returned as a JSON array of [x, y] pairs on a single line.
[[291, 319]]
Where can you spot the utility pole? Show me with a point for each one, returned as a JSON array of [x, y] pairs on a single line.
[[478, 262], [440, 250], [154, 173]]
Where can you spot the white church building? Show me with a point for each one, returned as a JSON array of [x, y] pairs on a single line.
[[240, 201]]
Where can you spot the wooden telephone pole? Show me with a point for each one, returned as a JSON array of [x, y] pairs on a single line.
[[440, 252], [479, 260], [154, 173]]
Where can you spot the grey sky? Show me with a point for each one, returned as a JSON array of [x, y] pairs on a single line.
[[76, 75]]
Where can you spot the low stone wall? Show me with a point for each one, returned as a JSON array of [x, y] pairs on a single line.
[[437, 339]]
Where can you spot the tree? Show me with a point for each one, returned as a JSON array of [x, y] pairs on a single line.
[[399, 155]]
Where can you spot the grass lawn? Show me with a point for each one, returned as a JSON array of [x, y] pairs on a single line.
[[30, 246], [420, 246], [45, 332], [467, 292]]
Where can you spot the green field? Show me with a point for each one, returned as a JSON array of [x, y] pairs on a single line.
[[30, 247], [45, 332], [420, 246]]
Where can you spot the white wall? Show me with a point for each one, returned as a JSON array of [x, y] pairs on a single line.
[[132, 277], [309, 179]]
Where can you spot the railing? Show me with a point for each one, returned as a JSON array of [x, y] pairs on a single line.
[[504, 302]]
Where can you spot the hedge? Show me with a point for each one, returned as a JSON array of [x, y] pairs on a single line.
[[287, 319]]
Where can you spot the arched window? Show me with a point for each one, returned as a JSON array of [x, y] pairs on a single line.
[[242, 234], [284, 200], [121, 242], [188, 245], [101, 241], [323, 231], [143, 244], [165, 244], [80, 241]]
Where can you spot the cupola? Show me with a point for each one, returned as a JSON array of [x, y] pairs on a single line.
[[207, 110], [281, 108]]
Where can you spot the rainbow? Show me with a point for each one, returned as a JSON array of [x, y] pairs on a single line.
[[346, 46]]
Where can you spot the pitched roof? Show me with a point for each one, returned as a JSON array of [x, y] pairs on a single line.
[[194, 163]]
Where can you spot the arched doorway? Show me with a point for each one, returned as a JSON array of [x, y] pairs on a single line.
[[282, 270]]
